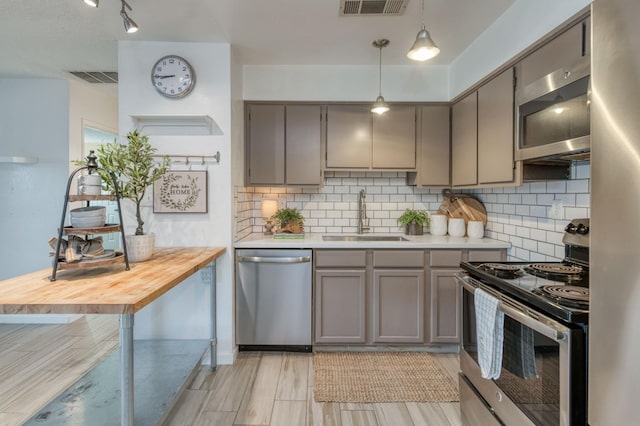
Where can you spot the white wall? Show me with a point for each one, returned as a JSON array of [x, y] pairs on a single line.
[[518, 27], [34, 121], [183, 312], [346, 83]]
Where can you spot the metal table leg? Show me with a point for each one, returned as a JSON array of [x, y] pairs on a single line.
[[213, 341], [126, 369]]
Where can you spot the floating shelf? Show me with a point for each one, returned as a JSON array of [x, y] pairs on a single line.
[[19, 160], [176, 124]]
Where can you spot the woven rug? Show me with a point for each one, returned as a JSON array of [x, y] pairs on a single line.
[[368, 377]]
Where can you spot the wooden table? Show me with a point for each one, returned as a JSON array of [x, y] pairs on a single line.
[[112, 290]]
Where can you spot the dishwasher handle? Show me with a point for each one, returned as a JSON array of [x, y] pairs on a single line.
[[261, 259]]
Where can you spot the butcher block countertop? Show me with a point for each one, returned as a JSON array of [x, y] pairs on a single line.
[[106, 290]]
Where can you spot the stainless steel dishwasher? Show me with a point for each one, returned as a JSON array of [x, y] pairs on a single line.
[[273, 299]]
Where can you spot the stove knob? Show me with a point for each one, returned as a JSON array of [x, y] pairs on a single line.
[[571, 228], [582, 230]]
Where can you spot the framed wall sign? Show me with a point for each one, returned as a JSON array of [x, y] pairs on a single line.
[[181, 192]]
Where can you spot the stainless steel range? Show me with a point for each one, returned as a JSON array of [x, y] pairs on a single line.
[[543, 376]]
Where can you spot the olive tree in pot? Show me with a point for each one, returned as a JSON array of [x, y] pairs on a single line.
[[414, 221], [135, 169]]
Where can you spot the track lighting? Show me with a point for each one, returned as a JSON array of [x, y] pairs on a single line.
[[423, 48], [380, 106], [129, 25]]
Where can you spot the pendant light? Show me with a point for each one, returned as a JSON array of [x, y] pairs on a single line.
[[423, 48], [92, 3], [380, 106]]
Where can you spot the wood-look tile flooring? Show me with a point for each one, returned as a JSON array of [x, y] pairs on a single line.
[[277, 389], [37, 362]]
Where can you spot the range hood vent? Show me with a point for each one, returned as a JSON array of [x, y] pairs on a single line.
[[373, 7], [97, 76]]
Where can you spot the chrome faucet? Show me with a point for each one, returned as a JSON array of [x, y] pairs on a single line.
[[362, 213]]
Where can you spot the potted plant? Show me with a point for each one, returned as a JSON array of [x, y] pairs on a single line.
[[414, 221], [289, 220], [135, 169]]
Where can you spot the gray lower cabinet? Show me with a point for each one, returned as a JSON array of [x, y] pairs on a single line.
[[445, 306], [340, 312], [398, 306]]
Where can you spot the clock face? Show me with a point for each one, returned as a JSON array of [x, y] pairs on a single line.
[[173, 76]]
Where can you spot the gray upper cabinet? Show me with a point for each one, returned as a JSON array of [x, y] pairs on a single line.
[[564, 50], [360, 140], [495, 129], [348, 136], [303, 150], [394, 138], [283, 144], [434, 149], [265, 147], [464, 141]]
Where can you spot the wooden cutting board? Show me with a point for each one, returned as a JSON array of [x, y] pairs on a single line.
[[464, 206]]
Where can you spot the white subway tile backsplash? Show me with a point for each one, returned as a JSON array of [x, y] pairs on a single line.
[[517, 215]]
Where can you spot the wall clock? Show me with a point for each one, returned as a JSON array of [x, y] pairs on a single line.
[[173, 76]]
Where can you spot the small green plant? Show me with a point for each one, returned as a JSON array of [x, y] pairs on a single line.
[[419, 217], [289, 220]]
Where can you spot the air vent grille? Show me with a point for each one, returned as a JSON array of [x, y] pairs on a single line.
[[97, 76], [373, 7]]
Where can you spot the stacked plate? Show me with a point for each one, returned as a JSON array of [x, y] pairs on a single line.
[[88, 217]]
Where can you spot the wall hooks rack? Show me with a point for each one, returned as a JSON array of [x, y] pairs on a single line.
[[188, 159]]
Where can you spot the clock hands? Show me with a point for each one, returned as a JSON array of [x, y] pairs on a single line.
[[164, 76]]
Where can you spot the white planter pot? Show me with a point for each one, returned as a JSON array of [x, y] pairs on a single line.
[[140, 247]]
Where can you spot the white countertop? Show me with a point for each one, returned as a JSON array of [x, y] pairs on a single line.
[[426, 241]]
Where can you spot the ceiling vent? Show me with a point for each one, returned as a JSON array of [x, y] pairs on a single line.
[[373, 7], [97, 76]]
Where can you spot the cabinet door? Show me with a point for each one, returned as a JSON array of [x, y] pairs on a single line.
[[348, 136], [564, 50], [303, 149], [464, 141], [265, 148], [445, 307], [495, 129], [435, 147], [340, 306], [398, 306], [394, 139]]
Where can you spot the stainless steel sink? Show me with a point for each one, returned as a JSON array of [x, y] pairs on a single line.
[[363, 238]]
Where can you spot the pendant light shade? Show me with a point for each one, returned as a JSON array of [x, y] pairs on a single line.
[[92, 3], [380, 106], [423, 48]]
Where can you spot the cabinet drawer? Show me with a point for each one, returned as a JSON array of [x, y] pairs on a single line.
[[446, 257], [398, 259], [341, 258], [487, 255]]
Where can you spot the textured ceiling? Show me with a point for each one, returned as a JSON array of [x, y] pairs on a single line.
[[50, 37]]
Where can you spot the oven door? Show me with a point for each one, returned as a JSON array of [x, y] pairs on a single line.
[[542, 381]]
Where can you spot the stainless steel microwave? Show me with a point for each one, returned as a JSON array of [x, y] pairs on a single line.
[[553, 114]]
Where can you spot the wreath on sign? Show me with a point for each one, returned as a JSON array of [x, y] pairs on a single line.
[[166, 198]]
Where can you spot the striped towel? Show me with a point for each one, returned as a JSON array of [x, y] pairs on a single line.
[[490, 333]]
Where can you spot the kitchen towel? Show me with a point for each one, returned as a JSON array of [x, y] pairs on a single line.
[[520, 355], [490, 333]]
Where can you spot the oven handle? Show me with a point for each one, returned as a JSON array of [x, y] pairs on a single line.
[[520, 316], [261, 259]]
